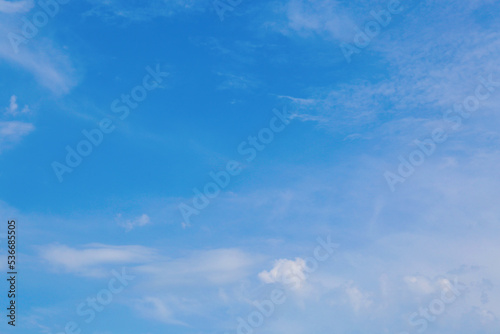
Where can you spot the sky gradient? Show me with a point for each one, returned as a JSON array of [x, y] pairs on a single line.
[[174, 165]]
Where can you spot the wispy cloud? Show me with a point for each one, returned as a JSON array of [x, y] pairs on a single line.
[[38, 55], [130, 224], [10, 7], [94, 259], [233, 81], [156, 309], [113, 10], [12, 132], [325, 18], [219, 266], [425, 75]]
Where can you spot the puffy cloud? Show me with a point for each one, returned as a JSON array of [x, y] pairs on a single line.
[[13, 108], [357, 299], [286, 272]]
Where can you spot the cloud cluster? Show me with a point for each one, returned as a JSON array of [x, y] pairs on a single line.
[[13, 108]]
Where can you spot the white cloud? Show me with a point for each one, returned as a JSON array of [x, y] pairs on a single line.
[[423, 73], [13, 108], [13, 132], [287, 272], [112, 9], [233, 81], [156, 309], [136, 222], [347, 105], [323, 17], [37, 55], [10, 7], [419, 284], [219, 266], [51, 68], [357, 299], [172, 291], [94, 259]]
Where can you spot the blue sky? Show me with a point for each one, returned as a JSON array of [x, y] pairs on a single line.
[[391, 152]]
